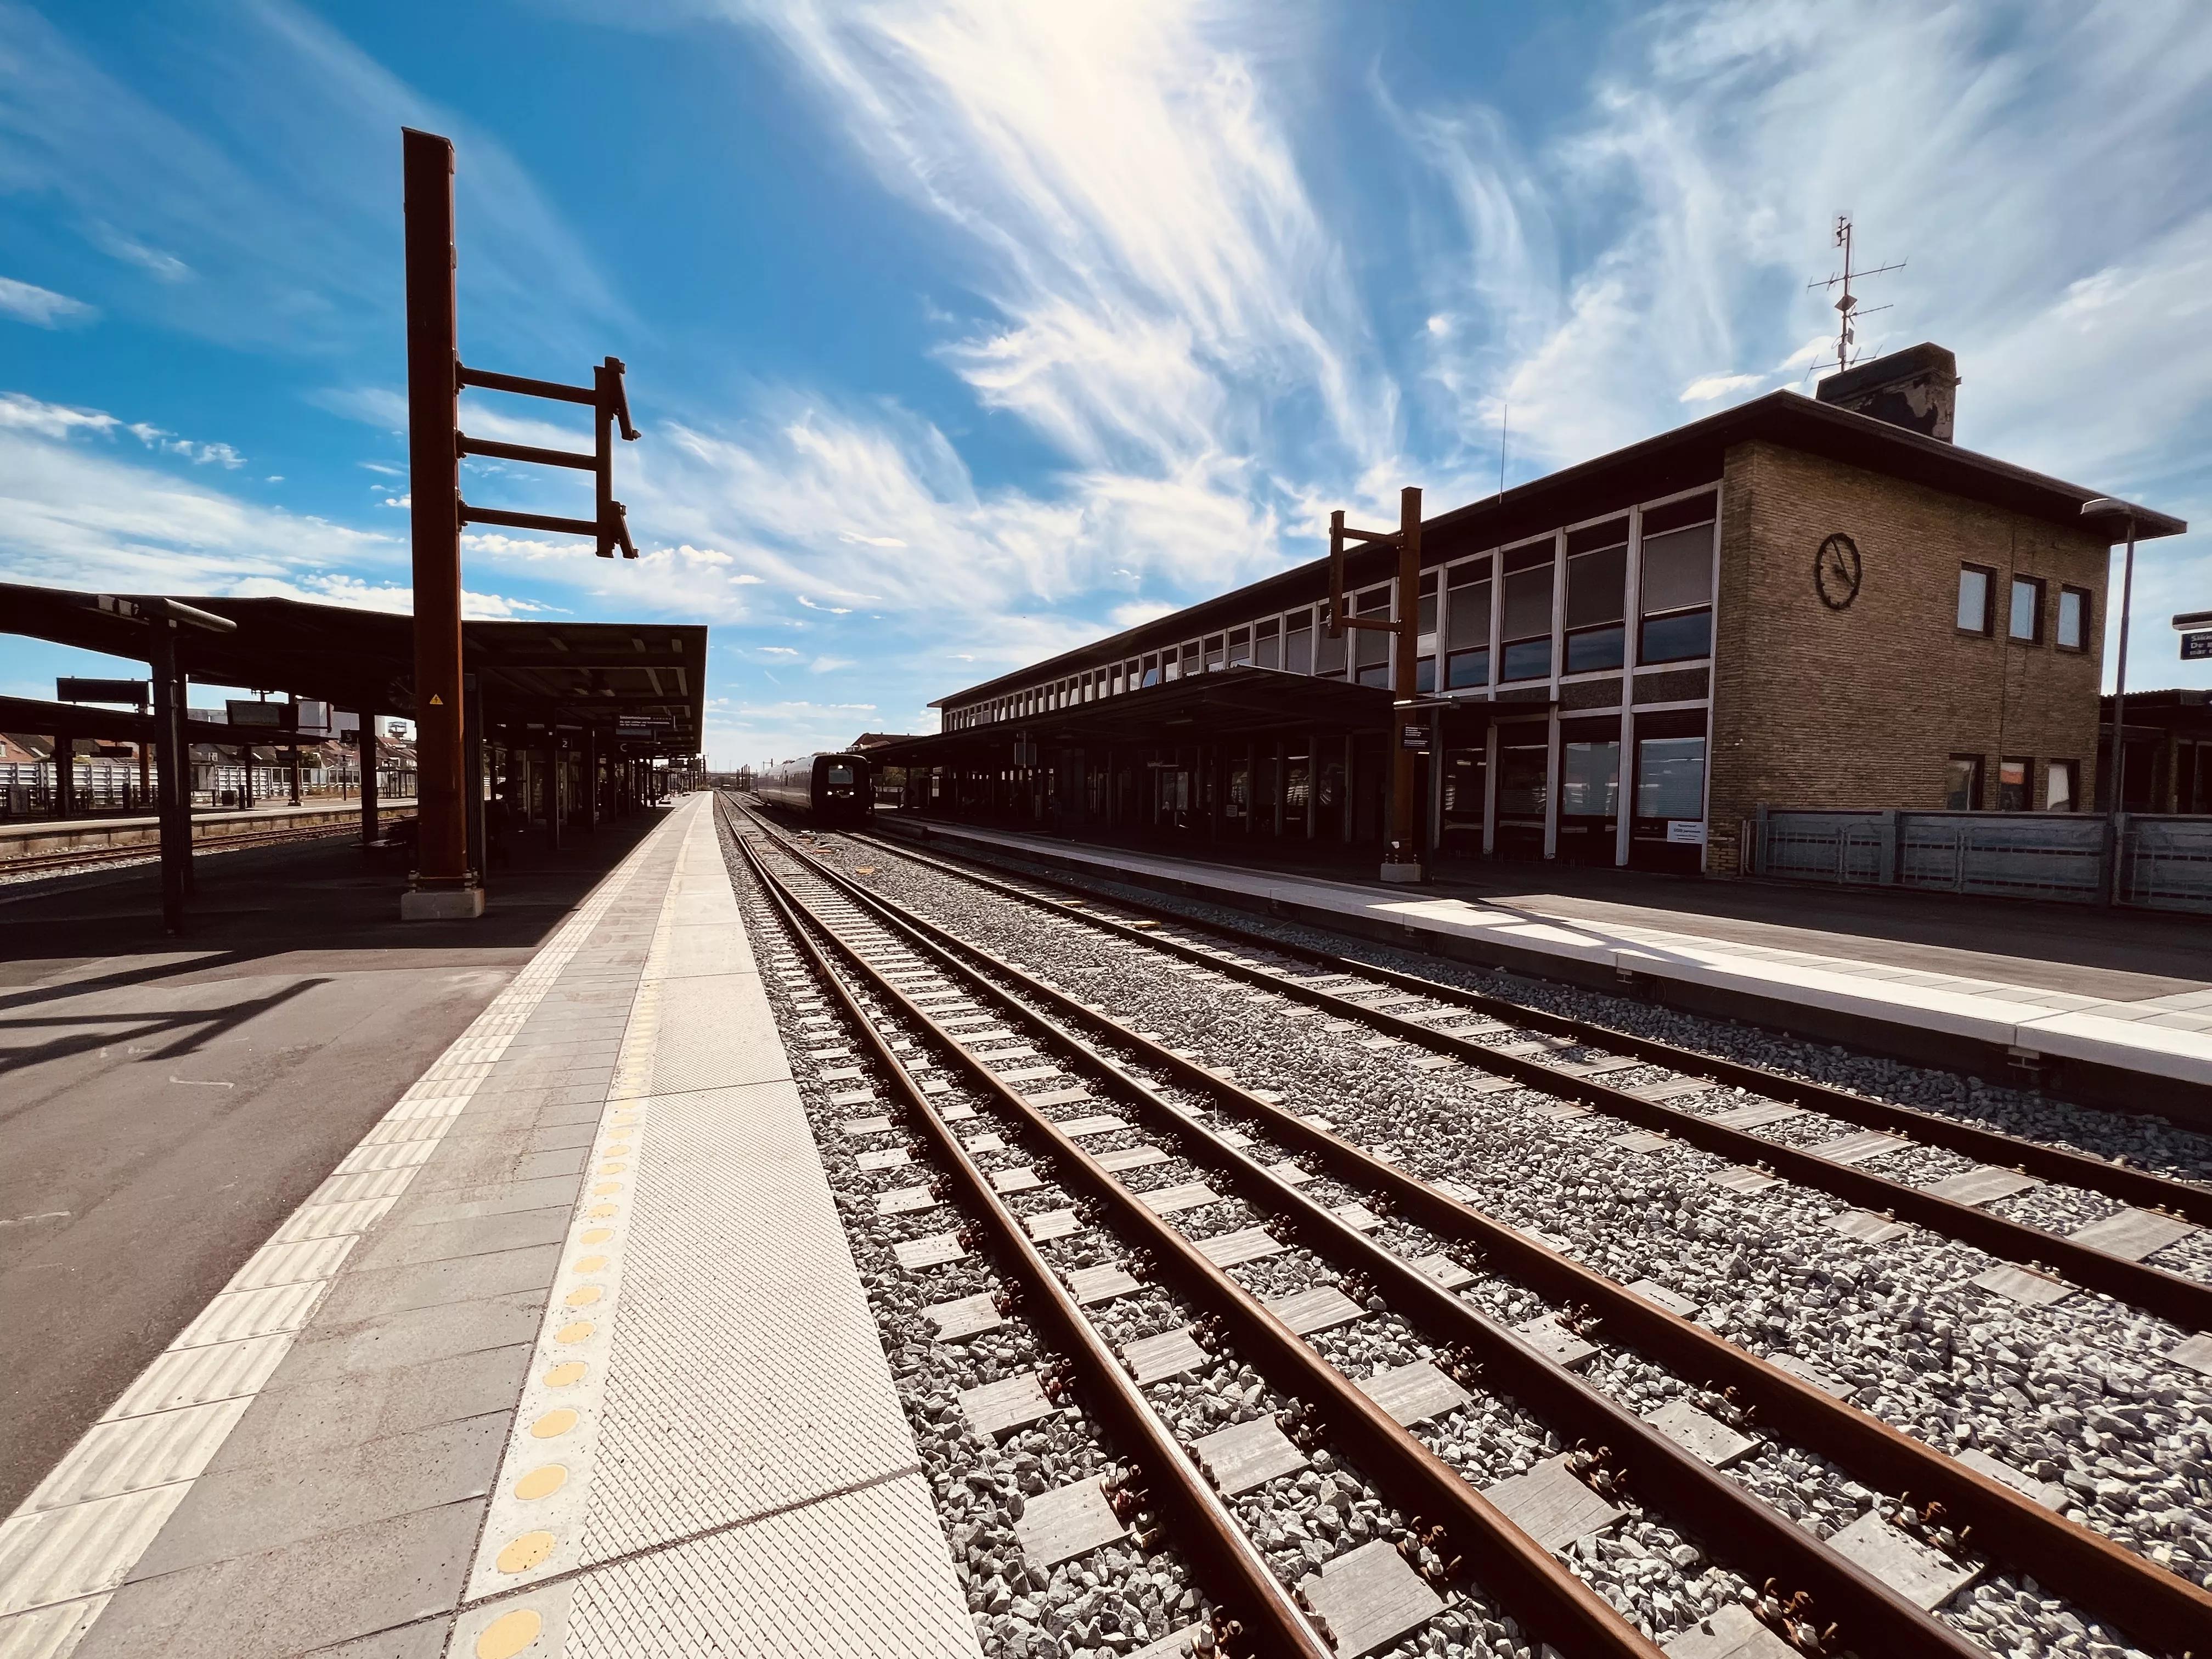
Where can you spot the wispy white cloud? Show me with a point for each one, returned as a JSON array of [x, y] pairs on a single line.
[[41, 306]]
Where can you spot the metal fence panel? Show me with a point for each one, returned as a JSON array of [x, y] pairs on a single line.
[[2166, 862]]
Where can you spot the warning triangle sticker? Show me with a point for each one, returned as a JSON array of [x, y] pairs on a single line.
[[436, 702]]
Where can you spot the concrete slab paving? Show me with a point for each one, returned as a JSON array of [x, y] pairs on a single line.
[[606, 1180]]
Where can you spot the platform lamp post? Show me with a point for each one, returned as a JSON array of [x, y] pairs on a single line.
[[1402, 857], [446, 886], [2106, 507]]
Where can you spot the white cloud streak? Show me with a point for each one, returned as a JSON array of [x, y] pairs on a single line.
[[41, 307]]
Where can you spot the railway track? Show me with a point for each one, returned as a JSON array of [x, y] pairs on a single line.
[[150, 852], [1821, 1598], [2161, 1209]]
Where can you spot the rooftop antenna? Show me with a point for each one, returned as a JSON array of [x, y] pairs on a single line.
[[1848, 303]]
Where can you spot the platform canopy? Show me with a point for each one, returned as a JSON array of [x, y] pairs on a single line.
[[545, 674], [1230, 704]]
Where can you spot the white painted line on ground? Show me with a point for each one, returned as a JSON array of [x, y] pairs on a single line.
[[75, 1538]]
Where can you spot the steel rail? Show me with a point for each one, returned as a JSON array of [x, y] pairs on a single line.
[[2187, 1302], [1821, 1586], [1551, 1603], [1201, 1521], [2158, 1606], [2191, 1201]]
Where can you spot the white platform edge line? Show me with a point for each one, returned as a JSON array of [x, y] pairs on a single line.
[[96, 1564]]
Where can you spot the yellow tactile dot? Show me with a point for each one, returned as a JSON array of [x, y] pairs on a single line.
[[600, 1212], [553, 1423], [590, 1264], [525, 1551], [614, 1168], [541, 1482], [605, 1189], [598, 1236], [576, 1333], [584, 1298], [511, 1632], [567, 1373]]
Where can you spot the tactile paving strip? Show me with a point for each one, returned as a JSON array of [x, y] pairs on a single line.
[[738, 1465], [77, 1536]]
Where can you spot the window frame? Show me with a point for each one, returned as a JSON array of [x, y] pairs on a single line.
[[1977, 765], [2066, 591], [2027, 785], [1989, 575]]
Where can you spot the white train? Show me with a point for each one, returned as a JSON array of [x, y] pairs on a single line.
[[826, 788]]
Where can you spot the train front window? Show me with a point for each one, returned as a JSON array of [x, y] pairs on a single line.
[[839, 777]]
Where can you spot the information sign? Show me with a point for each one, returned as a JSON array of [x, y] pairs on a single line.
[[137, 692], [2196, 647], [1685, 832], [1413, 735]]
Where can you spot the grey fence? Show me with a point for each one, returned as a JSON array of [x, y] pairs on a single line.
[[2165, 862]]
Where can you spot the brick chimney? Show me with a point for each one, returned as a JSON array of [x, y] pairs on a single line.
[[1915, 388]]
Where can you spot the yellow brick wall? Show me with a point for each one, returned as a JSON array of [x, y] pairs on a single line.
[[1861, 708]]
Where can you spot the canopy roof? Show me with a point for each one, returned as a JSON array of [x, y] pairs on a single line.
[[1230, 703], [528, 673]]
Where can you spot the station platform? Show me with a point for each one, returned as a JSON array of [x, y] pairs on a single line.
[[566, 1356], [23, 837], [2106, 1008]]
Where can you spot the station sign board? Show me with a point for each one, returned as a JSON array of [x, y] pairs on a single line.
[[2196, 647], [138, 692], [643, 728]]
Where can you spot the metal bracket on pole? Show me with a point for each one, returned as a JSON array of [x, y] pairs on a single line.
[[610, 402]]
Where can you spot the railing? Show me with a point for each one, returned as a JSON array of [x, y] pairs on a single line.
[[28, 787], [2166, 862]]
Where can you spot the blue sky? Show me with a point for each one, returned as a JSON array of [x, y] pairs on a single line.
[[963, 331]]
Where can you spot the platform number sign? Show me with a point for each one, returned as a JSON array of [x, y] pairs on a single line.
[[1837, 572], [2196, 647]]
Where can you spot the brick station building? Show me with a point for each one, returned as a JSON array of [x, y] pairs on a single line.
[[1794, 602]]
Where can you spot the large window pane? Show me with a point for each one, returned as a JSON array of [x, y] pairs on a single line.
[[1523, 764], [1466, 668], [1240, 648], [1670, 778], [1297, 646], [1597, 587], [2026, 619], [1530, 659], [1590, 779], [1214, 657], [1330, 654], [1973, 599], [1467, 622], [1677, 639], [2073, 617], [1678, 569], [1962, 783], [1598, 647], [1528, 602], [1371, 646], [1425, 675]]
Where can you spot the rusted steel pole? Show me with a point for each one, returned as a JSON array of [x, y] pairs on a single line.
[[442, 876], [1402, 861]]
